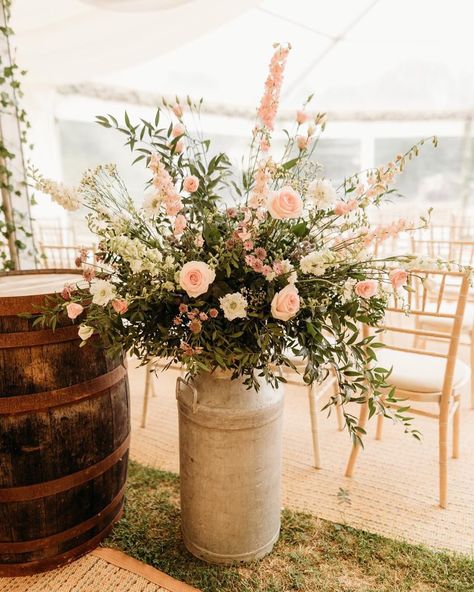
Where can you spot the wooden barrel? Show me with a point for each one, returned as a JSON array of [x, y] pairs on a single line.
[[64, 433]]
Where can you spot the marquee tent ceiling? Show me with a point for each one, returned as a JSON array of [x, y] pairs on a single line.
[[355, 54]]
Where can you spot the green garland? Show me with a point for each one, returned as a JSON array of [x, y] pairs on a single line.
[[14, 225]]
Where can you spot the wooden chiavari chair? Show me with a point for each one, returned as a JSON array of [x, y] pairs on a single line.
[[421, 375], [460, 252], [63, 256], [316, 392], [151, 369]]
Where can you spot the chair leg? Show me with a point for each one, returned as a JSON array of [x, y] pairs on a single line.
[[456, 418], [146, 394], [339, 412], [378, 433], [472, 367], [313, 411], [364, 413], [443, 462], [152, 384]]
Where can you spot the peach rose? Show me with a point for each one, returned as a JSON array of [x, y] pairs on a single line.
[[285, 203], [120, 306], [366, 288], [74, 310], [195, 278], [179, 225], [285, 303], [191, 184], [398, 277]]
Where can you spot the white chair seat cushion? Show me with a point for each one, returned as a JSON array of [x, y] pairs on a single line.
[[419, 373]]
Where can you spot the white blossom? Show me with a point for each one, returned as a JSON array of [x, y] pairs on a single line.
[[234, 306], [348, 290], [317, 262], [85, 331], [102, 292], [67, 197], [152, 203], [322, 194]]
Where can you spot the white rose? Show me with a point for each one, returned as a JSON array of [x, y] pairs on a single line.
[[102, 292], [322, 194], [85, 332], [234, 306]]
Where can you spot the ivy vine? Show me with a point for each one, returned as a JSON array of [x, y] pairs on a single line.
[[14, 224]]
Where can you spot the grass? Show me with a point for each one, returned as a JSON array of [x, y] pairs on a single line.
[[311, 555]]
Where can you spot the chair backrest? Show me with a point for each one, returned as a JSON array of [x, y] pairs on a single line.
[[427, 299], [63, 256], [457, 251], [50, 233], [451, 231]]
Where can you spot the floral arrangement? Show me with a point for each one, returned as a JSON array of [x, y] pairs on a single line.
[[237, 270]]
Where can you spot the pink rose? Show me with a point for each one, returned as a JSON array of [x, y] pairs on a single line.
[[285, 203], [285, 303], [195, 278], [366, 288], [120, 306], [301, 117], [178, 130], [179, 225], [398, 277], [191, 184], [74, 310]]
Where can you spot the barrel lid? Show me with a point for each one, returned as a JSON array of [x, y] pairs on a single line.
[[24, 291]]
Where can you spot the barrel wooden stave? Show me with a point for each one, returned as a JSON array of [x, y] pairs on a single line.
[[73, 439]]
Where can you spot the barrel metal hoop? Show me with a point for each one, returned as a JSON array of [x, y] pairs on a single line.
[[34, 338], [33, 567], [46, 488], [60, 537], [63, 396]]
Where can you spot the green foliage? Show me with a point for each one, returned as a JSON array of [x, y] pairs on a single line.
[[10, 97]]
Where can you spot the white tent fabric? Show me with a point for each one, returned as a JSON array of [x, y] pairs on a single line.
[[356, 55], [61, 41]]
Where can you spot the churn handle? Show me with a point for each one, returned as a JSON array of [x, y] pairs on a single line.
[[180, 381]]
